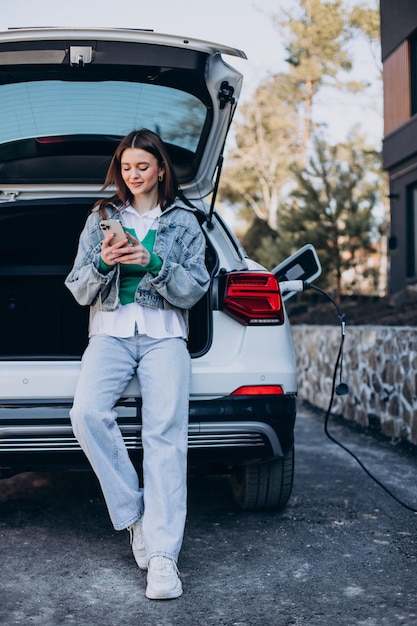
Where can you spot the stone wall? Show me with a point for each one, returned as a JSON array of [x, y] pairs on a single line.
[[379, 366]]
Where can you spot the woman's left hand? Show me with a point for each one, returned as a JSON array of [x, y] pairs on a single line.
[[132, 253]]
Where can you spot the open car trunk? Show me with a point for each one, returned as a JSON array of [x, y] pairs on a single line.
[[40, 318]]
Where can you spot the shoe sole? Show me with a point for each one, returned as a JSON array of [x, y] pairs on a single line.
[[151, 594]]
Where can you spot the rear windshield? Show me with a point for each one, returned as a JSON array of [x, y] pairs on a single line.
[[44, 120], [48, 108]]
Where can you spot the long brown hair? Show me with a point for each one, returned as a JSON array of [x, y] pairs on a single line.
[[152, 143]]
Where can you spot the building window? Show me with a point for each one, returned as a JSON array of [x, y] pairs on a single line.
[[397, 86], [411, 234], [413, 73]]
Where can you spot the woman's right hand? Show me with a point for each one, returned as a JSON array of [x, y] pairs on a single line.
[[109, 252]]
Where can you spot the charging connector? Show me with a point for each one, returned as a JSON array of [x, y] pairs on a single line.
[[296, 286]]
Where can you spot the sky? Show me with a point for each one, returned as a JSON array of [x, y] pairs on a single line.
[[244, 24]]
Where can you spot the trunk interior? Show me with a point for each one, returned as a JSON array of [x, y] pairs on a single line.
[[39, 317]]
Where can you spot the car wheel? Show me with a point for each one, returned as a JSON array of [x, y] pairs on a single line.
[[264, 486]]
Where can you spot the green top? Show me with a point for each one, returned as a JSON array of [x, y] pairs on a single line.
[[131, 275]]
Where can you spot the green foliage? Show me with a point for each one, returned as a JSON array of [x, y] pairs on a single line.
[[261, 243], [317, 33], [316, 41], [332, 206], [367, 20]]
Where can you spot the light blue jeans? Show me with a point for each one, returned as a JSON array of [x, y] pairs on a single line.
[[163, 368]]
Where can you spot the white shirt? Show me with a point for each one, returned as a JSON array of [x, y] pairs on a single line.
[[131, 318]]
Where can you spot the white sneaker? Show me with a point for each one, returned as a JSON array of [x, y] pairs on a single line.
[[137, 542], [163, 580]]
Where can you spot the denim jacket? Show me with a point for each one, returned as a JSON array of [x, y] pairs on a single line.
[[181, 282]]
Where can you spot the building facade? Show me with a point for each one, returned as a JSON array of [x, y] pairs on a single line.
[[399, 57]]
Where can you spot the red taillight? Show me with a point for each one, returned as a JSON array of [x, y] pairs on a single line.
[[258, 390], [253, 298]]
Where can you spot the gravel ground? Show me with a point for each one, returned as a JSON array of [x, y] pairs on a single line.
[[342, 552]]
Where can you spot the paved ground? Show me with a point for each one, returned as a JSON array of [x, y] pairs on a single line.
[[342, 553]]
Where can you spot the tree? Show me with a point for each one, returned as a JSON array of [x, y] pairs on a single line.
[[261, 243], [316, 38], [332, 208], [266, 146]]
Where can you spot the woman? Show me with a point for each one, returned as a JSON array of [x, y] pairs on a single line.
[[139, 291]]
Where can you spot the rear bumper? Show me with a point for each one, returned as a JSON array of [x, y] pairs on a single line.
[[222, 432]]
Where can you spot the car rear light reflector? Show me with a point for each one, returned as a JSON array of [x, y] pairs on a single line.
[[258, 390], [253, 298]]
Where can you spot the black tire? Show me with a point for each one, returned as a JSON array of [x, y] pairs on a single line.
[[264, 486]]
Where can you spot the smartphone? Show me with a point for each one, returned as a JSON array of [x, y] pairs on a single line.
[[115, 227]]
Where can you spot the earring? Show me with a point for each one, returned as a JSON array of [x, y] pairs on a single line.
[[161, 177]]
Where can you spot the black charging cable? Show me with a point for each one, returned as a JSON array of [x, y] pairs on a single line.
[[342, 389]]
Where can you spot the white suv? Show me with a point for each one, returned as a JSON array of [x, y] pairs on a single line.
[[68, 96]]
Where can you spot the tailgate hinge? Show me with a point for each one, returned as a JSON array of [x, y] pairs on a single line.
[[226, 94]]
